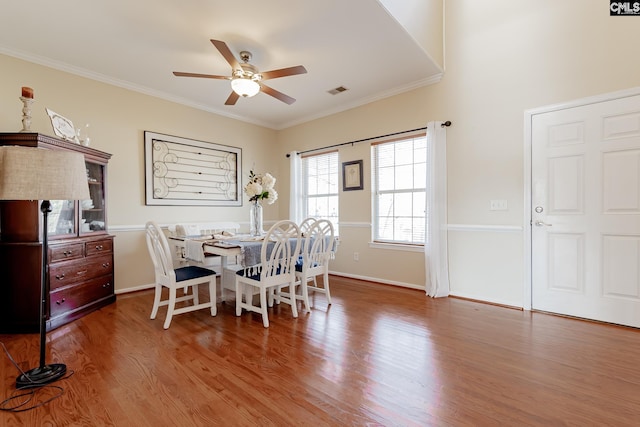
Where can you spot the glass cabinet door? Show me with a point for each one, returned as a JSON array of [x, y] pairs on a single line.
[[92, 211], [62, 219], [70, 218]]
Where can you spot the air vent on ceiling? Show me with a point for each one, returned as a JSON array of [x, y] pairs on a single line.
[[337, 90]]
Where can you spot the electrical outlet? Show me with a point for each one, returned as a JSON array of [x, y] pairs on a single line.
[[498, 205], [356, 256]]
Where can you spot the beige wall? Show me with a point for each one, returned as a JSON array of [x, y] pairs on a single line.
[[503, 57], [118, 118], [398, 113]]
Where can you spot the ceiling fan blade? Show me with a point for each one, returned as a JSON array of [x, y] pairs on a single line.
[[283, 72], [231, 100], [276, 94], [205, 76], [226, 52]]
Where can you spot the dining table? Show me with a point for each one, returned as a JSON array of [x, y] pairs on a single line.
[[246, 248]]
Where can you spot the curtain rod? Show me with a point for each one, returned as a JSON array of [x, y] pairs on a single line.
[[443, 124]]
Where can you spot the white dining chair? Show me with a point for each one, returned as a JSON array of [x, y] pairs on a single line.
[[278, 255], [318, 249], [187, 278]]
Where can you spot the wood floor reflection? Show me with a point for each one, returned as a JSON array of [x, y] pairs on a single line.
[[380, 355]]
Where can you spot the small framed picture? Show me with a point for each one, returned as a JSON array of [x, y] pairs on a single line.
[[352, 175]]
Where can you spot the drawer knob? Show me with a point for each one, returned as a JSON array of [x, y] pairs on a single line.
[[67, 253], [80, 273], [105, 265], [106, 285], [59, 302], [60, 276], [99, 247]]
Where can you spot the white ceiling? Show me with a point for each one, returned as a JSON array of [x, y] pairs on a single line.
[[137, 44]]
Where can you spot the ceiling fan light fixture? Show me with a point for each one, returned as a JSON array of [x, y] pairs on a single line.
[[245, 86], [245, 78]]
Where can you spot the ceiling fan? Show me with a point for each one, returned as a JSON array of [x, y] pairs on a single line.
[[245, 78]]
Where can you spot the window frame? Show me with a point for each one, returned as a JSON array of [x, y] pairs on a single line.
[[376, 238], [305, 186]]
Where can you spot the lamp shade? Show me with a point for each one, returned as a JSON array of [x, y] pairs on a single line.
[[29, 173]]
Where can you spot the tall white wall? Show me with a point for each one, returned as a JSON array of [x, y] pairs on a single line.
[[422, 19], [503, 57]]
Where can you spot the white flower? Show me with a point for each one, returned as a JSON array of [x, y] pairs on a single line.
[[253, 189], [272, 197], [260, 187], [268, 181]]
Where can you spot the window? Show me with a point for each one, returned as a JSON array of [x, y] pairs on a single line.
[[320, 187], [399, 185]]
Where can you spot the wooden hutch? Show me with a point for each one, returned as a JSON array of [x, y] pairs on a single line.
[[80, 278]]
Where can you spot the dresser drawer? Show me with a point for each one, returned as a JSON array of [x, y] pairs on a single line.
[[64, 252], [72, 298], [68, 273], [99, 246]]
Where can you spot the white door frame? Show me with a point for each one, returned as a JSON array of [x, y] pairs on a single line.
[[528, 117]]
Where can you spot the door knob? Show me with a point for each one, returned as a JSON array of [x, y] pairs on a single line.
[[542, 223]]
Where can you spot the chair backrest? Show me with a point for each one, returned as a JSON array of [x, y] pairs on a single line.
[[306, 225], [280, 249], [160, 253], [318, 244]]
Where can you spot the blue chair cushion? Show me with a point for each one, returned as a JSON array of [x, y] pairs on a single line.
[[256, 276], [192, 272]]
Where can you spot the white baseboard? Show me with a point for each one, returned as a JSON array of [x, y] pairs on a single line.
[[377, 280], [135, 289]]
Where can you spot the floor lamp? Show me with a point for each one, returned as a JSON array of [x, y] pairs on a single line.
[[28, 173]]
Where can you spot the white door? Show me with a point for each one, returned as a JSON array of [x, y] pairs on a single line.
[[586, 211]]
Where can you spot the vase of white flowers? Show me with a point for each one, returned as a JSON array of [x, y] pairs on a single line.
[[255, 219], [259, 188]]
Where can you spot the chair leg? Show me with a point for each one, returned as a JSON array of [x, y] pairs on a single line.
[[170, 307], [292, 298], [156, 301], [213, 298], [194, 294], [263, 307], [305, 293], [326, 287], [238, 299]]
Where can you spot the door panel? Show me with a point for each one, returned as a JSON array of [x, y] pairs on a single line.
[[586, 211]]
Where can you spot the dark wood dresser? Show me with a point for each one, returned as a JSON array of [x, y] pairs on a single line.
[[80, 269]]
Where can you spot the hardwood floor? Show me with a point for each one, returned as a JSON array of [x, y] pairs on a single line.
[[380, 355]]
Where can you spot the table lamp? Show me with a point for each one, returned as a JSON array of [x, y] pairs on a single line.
[[28, 173]]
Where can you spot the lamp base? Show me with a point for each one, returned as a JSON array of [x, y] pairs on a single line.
[[41, 375]]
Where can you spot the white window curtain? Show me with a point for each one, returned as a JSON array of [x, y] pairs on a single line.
[[435, 248], [295, 188]]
